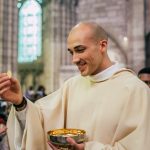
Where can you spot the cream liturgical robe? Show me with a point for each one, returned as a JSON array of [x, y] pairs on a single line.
[[114, 110]]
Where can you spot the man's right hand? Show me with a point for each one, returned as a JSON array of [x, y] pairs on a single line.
[[10, 89]]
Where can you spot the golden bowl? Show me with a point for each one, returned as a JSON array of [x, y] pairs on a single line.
[[58, 137]]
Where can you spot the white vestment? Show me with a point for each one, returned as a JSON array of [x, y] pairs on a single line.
[[114, 110]]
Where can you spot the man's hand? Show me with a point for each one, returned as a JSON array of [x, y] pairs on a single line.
[[75, 145], [10, 89], [72, 142]]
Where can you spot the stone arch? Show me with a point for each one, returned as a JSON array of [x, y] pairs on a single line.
[[117, 46]]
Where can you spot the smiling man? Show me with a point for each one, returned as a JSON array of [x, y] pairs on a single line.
[[106, 100], [89, 49]]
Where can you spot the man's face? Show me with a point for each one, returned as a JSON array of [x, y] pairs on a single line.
[[145, 77], [86, 52]]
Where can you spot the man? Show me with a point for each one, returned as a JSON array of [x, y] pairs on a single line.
[[144, 75], [107, 101]]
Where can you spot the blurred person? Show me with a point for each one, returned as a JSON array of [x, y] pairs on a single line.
[[144, 75], [3, 135], [106, 100], [40, 92], [30, 93], [3, 107]]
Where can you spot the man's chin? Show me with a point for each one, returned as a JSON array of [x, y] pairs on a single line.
[[84, 74], [84, 71]]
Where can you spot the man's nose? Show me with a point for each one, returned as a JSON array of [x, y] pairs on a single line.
[[75, 58]]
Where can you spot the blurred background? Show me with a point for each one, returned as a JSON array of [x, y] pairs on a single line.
[[33, 37]]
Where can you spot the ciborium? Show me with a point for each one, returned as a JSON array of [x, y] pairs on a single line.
[[58, 137]]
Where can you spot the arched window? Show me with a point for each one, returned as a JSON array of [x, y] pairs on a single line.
[[30, 31]]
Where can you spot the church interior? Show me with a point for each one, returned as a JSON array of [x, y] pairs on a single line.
[[33, 36]]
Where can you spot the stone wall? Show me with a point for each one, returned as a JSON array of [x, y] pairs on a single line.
[[8, 35], [147, 16], [124, 22]]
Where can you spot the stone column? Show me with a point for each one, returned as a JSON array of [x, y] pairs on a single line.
[[136, 35], [1, 31], [47, 78]]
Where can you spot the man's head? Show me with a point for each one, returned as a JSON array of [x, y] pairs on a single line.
[[87, 43], [144, 75]]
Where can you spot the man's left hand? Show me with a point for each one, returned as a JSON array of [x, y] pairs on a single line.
[[72, 142], [75, 145]]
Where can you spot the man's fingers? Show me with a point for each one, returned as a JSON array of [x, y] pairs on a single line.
[[75, 145], [3, 90], [71, 141], [52, 146], [13, 80], [5, 83]]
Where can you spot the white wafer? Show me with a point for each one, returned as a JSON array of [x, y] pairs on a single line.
[[9, 73]]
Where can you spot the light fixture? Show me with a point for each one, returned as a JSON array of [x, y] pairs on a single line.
[[125, 38]]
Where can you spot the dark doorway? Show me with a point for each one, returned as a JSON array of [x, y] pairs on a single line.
[[147, 49]]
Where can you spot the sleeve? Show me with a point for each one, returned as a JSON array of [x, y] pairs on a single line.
[[26, 138], [47, 113], [18, 126], [134, 123], [21, 116]]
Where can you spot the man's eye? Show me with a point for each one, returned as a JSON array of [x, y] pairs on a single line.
[[81, 49]]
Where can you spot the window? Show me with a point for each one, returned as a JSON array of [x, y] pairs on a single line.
[[30, 31]]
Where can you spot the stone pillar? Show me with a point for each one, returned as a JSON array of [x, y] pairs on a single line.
[[147, 16], [47, 78], [136, 35], [8, 35], [1, 31]]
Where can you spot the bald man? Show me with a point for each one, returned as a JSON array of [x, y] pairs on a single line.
[[106, 100]]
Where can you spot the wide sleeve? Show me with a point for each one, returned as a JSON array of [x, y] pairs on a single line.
[[134, 125], [46, 114], [32, 137]]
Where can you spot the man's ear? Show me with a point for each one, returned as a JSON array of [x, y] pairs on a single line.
[[103, 45]]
